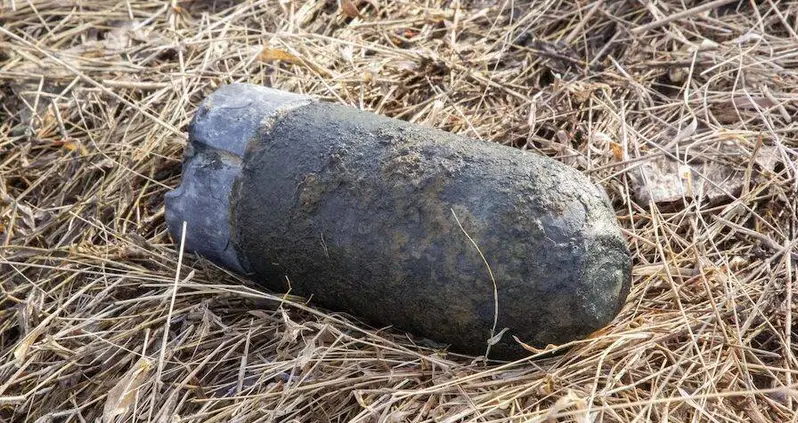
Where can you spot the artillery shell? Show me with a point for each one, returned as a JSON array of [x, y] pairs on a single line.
[[442, 236]]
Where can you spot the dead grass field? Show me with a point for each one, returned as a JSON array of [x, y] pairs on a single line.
[[685, 111]]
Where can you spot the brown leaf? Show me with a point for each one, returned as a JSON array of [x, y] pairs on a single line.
[[278, 55], [350, 9], [73, 145], [617, 150]]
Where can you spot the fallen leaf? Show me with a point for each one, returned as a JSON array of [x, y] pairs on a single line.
[[368, 77], [617, 150], [74, 145], [21, 351], [278, 55], [570, 399], [664, 180], [122, 395], [350, 9]]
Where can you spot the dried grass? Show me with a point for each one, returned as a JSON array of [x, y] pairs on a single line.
[[96, 95]]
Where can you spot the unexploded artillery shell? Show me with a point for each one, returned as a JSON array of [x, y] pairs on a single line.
[[395, 222]]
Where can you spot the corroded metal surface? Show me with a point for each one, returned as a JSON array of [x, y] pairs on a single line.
[[373, 216]]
